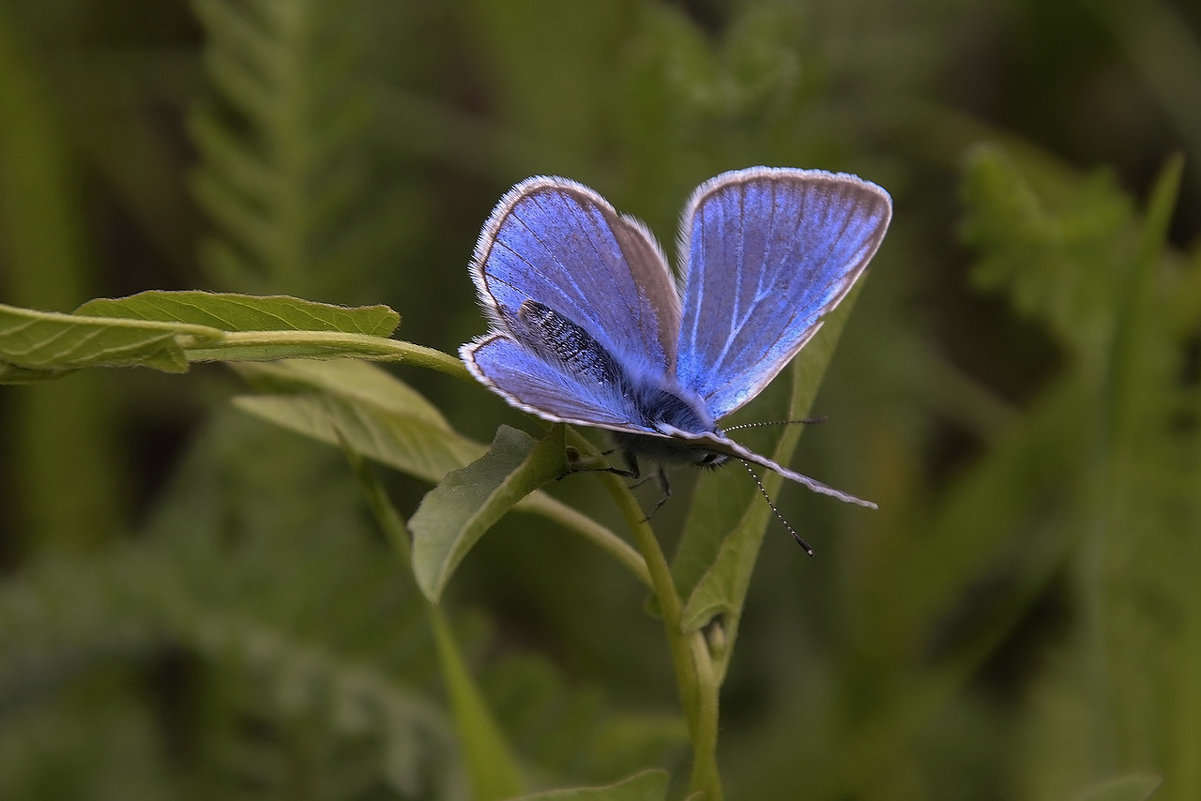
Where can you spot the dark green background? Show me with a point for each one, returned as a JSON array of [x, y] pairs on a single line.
[[188, 594]]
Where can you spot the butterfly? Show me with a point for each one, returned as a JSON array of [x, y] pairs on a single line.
[[588, 325]]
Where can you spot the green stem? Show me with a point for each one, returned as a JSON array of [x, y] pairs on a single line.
[[592, 531], [689, 653], [704, 731], [314, 342]]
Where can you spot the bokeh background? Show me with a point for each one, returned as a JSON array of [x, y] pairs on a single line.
[[195, 605]]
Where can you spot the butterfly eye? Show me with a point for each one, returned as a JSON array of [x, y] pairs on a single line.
[[711, 459]]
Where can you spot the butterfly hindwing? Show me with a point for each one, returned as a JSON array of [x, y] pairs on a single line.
[[531, 382], [718, 443], [769, 252]]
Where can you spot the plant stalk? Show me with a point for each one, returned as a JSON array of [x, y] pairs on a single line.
[[689, 652]]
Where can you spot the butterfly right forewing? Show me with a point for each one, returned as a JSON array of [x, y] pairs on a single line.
[[768, 252]]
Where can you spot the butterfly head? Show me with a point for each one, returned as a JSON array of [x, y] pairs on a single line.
[[710, 459]]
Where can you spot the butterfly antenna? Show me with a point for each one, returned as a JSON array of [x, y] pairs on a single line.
[[799, 540], [805, 421]]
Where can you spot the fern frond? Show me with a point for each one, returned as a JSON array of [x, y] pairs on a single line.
[[1105, 281], [291, 643], [266, 678], [283, 174]]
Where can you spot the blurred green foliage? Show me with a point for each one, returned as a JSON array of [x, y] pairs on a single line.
[[197, 605]]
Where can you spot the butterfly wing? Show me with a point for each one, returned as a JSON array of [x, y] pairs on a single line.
[[769, 253], [534, 384], [579, 296], [716, 443], [558, 243]]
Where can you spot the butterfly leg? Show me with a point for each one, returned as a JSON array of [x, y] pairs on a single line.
[[659, 475], [632, 472], [665, 485], [573, 456]]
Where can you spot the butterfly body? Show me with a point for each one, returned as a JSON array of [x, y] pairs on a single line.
[[648, 401], [589, 326]]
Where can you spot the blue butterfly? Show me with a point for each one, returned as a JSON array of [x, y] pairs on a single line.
[[589, 327]]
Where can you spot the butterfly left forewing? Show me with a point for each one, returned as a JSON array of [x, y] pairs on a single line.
[[559, 244]]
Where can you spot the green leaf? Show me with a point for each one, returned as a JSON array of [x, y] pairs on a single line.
[[1138, 305], [11, 374], [36, 340], [454, 515], [235, 312], [1134, 787], [713, 566], [375, 413], [167, 330], [381, 417], [262, 324], [649, 785]]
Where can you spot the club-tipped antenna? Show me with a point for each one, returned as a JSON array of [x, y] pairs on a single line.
[[799, 540], [802, 421]]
